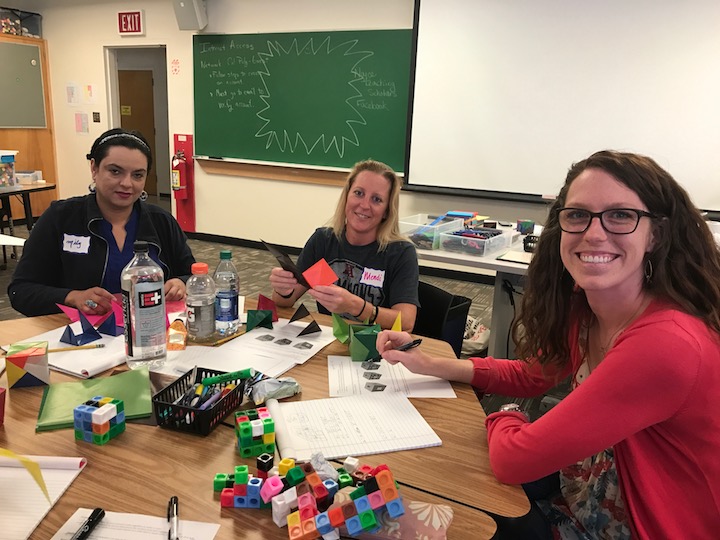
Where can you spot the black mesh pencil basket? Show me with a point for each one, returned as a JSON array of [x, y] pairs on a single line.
[[178, 406]]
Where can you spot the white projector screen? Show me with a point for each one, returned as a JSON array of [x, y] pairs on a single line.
[[509, 93]]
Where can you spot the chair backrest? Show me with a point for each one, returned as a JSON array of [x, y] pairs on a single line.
[[441, 315]]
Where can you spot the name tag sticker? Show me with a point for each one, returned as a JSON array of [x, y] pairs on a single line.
[[76, 244], [376, 278]]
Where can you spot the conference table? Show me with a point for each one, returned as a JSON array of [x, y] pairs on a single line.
[[141, 469], [6, 220]]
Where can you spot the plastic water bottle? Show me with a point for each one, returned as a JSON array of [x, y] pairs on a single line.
[[200, 304], [227, 320], [143, 294]]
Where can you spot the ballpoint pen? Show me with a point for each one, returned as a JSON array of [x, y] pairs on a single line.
[[90, 523], [172, 516], [405, 347]]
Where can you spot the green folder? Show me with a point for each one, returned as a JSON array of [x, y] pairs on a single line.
[[59, 400]]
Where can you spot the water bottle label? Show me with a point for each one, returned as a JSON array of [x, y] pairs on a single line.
[[127, 324], [201, 320], [149, 315], [226, 306]]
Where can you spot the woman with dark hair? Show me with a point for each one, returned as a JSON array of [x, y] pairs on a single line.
[[377, 266], [79, 246], [622, 296]]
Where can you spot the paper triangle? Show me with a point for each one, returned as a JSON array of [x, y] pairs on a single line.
[[26, 380], [397, 325], [109, 326], [261, 318], [311, 328], [320, 273], [88, 335], [300, 313], [39, 370], [341, 329], [265, 303]]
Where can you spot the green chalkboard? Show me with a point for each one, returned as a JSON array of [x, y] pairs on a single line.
[[326, 99]]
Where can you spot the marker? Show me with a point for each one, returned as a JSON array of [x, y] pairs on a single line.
[[172, 517], [405, 347], [217, 379], [90, 523], [214, 397]]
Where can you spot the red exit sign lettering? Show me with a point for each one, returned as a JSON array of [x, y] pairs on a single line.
[[130, 23]]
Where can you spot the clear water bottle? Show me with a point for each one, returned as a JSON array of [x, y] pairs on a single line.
[[227, 319], [143, 294], [200, 303]]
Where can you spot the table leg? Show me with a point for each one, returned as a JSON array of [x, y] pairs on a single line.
[[27, 205], [503, 314]]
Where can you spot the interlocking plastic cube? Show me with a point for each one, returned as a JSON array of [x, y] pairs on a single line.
[[255, 432], [99, 419]]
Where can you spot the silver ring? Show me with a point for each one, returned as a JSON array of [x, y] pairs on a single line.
[[92, 304]]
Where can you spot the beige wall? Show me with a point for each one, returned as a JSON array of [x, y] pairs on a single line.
[[247, 208]]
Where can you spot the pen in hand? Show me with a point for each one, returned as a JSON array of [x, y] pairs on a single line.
[[172, 516], [405, 347], [90, 523]]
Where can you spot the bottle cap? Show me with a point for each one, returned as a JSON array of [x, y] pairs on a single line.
[[199, 268], [141, 246], [225, 254]]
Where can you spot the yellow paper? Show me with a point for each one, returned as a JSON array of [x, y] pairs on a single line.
[[32, 467], [397, 325]]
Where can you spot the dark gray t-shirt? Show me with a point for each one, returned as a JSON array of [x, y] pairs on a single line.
[[382, 278]]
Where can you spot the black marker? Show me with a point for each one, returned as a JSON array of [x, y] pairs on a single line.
[[172, 516], [90, 523]]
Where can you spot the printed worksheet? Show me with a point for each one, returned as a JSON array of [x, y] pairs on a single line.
[[348, 378]]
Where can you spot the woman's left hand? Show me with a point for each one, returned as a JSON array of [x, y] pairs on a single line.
[[174, 290], [336, 299]]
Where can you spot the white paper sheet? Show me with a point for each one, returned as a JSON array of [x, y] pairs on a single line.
[[347, 378], [22, 503], [121, 526], [272, 352], [349, 426]]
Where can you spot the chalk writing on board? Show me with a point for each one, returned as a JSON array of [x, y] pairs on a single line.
[[316, 98]]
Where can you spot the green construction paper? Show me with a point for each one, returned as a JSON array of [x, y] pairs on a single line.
[[362, 342], [59, 399], [259, 317], [341, 329]]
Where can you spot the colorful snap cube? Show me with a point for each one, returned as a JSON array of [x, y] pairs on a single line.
[[255, 432], [99, 419]]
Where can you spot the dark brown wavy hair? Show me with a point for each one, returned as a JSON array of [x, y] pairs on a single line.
[[685, 260]]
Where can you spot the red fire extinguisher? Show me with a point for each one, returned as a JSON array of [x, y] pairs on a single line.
[[179, 175]]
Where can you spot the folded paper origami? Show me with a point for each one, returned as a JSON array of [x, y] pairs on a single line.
[[265, 303], [300, 313], [259, 317], [341, 328], [320, 273], [362, 341], [27, 364], [88, 335]]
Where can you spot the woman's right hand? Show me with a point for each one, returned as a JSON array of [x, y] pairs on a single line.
[[92, 301], [282, 281]]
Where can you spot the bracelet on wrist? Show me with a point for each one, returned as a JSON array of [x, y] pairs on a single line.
[[363, 309], [376, 309], [285, 296]]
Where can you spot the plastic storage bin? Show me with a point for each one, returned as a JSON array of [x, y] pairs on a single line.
[[423, 230], [201, 422], [477, 242]]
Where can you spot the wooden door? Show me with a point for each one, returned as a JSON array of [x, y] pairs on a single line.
[[138, 112]]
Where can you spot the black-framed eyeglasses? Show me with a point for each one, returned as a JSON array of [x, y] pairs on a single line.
[[613, 220]]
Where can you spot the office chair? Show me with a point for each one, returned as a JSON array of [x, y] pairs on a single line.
[[441, 315]]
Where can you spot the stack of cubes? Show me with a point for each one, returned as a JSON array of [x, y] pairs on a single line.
[[255, 431], [99, 420], [305, 502]]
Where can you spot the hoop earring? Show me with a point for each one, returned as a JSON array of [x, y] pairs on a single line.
[[648, 271], [143, 195], [91, 187]]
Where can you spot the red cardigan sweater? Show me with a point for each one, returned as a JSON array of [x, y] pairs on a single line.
[[655, 398]]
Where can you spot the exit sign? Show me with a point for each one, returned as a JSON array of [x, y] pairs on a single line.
[[131, 23]]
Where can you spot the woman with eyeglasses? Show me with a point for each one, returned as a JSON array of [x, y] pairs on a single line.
[[623, 297]]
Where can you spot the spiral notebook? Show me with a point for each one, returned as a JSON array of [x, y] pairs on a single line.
[[349, 426]]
